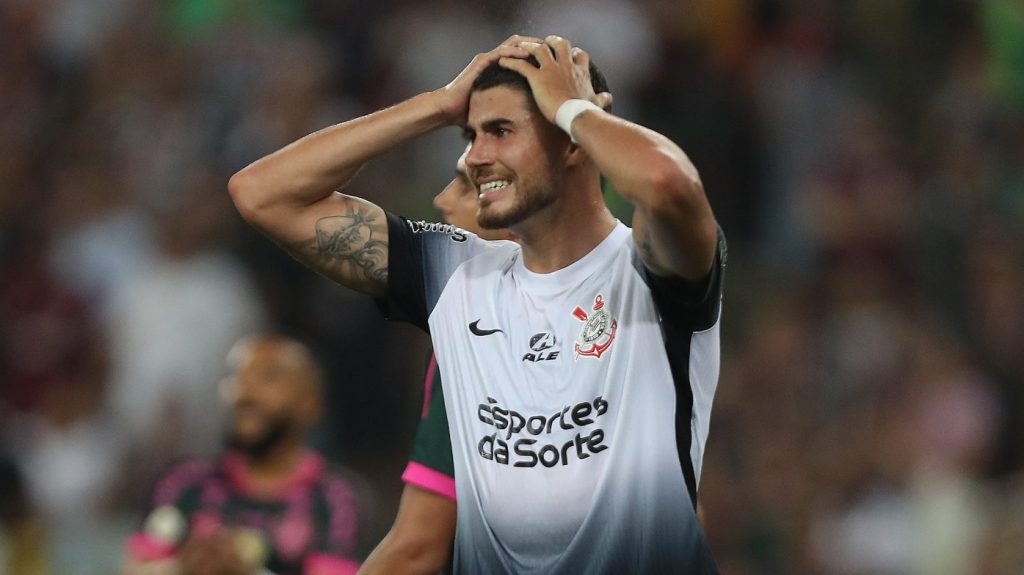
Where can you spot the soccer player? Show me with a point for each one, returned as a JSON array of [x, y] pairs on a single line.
[[579, 362], [269, 504], [421, 538]]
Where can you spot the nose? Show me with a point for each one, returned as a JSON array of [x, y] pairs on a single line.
[[245, 387], [479, 154], [442, 201]]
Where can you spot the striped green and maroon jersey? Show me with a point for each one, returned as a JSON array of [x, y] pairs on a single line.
[[430, 467], [308, 527]]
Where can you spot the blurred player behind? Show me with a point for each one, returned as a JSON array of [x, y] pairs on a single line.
[[267, 505]]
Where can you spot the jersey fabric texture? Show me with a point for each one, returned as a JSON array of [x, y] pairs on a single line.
[[430, 468], [578, 401], [308, 528]]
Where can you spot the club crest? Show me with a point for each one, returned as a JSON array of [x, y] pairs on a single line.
[[598, 330]]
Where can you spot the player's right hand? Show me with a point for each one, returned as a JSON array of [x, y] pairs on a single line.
[[453, 99], [213, 554]]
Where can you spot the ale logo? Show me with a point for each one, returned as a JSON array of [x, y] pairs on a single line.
[[540, 347]]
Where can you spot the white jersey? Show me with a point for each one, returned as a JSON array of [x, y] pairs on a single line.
[[578, 401]]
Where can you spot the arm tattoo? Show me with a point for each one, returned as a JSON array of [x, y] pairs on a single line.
[[646, 248], [349, 247]]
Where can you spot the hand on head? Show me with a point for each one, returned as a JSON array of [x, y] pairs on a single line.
[[562, 73], [454, 97]]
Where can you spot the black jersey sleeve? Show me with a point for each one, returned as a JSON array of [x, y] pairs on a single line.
[[422, 256], [693, 304], [405, 300]]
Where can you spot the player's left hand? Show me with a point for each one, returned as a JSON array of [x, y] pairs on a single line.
[[564, 74]]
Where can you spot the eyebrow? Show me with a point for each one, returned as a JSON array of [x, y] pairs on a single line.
[[488, 126], [491, 125]]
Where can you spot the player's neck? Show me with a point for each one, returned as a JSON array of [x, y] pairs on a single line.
[[565, 231], [279, 464]]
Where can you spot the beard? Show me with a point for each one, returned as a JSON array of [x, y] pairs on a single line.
[[529, 200], [260, 446]]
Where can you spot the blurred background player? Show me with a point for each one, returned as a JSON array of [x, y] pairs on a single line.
[[268, 504], [421, 538]]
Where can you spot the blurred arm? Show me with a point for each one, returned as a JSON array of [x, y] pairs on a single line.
[[421, 538]]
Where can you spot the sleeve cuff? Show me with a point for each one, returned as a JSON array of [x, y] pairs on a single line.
[[142, 547], [322, 564], [428, 479]]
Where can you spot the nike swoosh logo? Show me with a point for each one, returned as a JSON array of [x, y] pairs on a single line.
[[477, 331]]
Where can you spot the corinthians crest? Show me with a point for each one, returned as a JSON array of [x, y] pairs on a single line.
[[598, 331]]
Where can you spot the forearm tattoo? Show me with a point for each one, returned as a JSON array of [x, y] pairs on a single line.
[[351, 248]]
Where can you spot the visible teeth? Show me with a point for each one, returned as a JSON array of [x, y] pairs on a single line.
[[491, 186]]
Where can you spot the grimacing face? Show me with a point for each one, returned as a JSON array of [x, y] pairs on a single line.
[[512, 155]]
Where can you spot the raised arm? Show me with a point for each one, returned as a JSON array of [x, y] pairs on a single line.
[[673, 225], [291, 195]]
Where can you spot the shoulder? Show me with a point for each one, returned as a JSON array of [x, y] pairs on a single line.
[[718, 264], [184, 475], [447, 234], [694, 304], [340, 486], [471, 260], [493, 254], [437, 250]]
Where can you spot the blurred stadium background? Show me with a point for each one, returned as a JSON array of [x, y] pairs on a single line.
[[866, 159]]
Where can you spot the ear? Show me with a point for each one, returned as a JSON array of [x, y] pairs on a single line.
[[604, 100], [575, 156], [311, 408]]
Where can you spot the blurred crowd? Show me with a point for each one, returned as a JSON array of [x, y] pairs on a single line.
[[865, 159]]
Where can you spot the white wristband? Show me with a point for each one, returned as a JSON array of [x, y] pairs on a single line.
[[568, 112]]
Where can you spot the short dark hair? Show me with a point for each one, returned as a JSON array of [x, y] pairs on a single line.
[[494, 75]]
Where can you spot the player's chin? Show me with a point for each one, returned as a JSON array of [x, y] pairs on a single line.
[[491, 221], [247, 432], [495, 216]]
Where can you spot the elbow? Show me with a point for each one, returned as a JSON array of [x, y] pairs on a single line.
[[672, 186], [242, 187], [426, 556], [407, 554]]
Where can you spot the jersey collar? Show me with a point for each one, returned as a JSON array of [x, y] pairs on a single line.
[[309, 470], [554, 282]]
